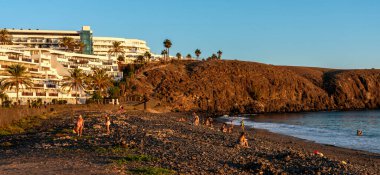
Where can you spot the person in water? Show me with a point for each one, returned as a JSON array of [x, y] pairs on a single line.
[[79, 126], [359, 132], [243, 141]]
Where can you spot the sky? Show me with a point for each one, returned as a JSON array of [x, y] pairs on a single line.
[[317, 33]]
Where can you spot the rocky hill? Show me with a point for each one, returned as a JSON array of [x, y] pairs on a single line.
[[249, 87]]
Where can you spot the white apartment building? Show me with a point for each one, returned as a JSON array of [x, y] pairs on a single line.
[[93, 45], [47, 69]]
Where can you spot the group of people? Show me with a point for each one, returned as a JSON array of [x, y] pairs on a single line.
[[78, 129], [242, 141]]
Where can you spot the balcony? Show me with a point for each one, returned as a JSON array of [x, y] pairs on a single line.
[[51, 86], [27, 93], [53, 94], [107, 63], [40, 93], [33, 69], [75, 95], [13, 58], [83, 61], [38, 85], [27, 59]]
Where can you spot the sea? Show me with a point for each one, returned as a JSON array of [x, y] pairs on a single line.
[[331, 128]]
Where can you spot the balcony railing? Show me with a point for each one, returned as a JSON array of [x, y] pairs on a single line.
[[51, 86], [53, 94], [107, 63], [33, 69], [27, 59], [38, 85], [13, 58], [40, 93], [75, 95], [27, 93]]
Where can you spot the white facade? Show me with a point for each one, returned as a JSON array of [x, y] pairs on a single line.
[[47, 68], [100, 45]]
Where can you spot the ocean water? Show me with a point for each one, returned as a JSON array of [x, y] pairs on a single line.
[[332, 128]]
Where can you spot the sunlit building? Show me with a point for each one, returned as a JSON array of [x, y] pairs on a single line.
[[93, 45], [47, 68]]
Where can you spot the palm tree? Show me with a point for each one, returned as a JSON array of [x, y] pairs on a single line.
[[188, 56], [197, 53], [167, 45], [214, 57], [5, 37], [178, 55], [76, 81], [163, 53], [147, 55], [116, 49], [219, 54], [100, 81], [18, 78], [3, 95], [68, 43], [80, 46], [140, 59], [120, 58]]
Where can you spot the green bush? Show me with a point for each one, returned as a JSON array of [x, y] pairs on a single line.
[[152, 171]]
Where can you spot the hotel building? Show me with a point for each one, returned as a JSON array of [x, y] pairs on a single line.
[[93, 45], [47, 68]]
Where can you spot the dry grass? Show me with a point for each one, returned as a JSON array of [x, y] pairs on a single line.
[[12, 115]]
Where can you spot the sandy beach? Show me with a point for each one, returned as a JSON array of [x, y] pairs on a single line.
[[142, 142]]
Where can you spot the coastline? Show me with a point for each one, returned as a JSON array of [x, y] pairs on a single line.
[[174, 145], [360, 157]]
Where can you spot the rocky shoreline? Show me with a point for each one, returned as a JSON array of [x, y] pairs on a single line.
[[160, 142]]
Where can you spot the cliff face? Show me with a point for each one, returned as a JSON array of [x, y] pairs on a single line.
[[253, 87]]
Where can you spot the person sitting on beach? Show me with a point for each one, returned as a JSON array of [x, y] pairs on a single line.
[[121, 109], [108, 123], [208, 121], [79, 126], [182, 119], [243, 141], [224, 128], [196, 119], [230, 128]]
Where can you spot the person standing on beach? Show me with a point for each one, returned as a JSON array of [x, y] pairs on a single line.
[[196, 119], [108, 123], [121, 109], [145, 100], [79, 126], [242, 124]]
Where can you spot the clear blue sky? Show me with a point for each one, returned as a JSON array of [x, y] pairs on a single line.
[[323, 33]]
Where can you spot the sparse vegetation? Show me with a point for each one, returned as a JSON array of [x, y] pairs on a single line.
[[152, 171], [23, 125], [133, 158]]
